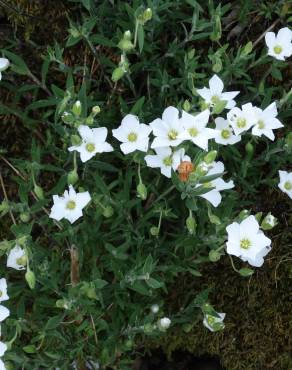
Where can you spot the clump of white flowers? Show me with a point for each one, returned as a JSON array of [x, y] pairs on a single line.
[[247, 241], [280, 45]]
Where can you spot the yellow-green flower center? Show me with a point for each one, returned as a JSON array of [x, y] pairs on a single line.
[[1, 293], [193, 131], [261, 124], [225, 134], [172, 135], [167, 161], [211, 320], [208, 185], [278, 49], [71, 204], [90, 147], [21, 261], [215, 99], [241, 122], [288, 185], [132, 137], [245, 243]]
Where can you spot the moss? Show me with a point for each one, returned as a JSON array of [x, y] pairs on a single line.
[[258, 315]]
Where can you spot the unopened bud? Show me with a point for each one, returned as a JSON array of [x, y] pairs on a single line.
[[154, 230], [142, 191], [147, 15], [95, 110], [67, 117], [25, 217], [72, 177], [126, 45], [210, 157], [75, 140], [154, 308], [191, 224], [164, 323], [108, 211], [30, 279], [77, 108], [38, 191], [214, 256], [269, 222], [118, 73], [89, 120], [187, 106], [74, 32], [249, 149]]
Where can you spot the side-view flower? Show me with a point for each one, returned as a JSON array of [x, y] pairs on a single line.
[[285, 183]]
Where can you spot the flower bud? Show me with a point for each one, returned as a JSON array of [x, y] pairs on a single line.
[[30, 279], [243, 214], [164, 323], [108, 212], [127, 35], [214, 256], [95, 110], [191, 224], [147, 15], [74, 32], [62, 303], [125, 45], [269, 222], [129, 344], [25, 217], [72, 177], [249, 149], [89, 120], [67, 117], [154, 308], [142, 191], [154, 230], [91, 293], [75, 140], [191, 54], [186, 106], [148, 328], [210, 157], [39, 192], [118, 73], [77, 108]]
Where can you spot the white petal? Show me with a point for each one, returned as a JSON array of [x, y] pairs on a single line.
[[85, 155], [104, 147], [203, 117], [99, 134], [153, 161], [57, 212], [4, 313], [166, 171], [213, 196], [159, 142], [284, 35], [73, 215], [3, 348], [85, 132], [82, 199], [121, 133], [159, 129], [4, 64], [216, 85], [205, 94], [131, 122], [170, 115], [142, 144], [144, 130], [127, 148], [250, 225], [270, 38]]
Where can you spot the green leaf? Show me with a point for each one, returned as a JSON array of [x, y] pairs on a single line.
[[154, 283], [19, 65], [245, 272]]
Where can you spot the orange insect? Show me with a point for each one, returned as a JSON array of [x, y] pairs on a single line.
[[184, 170]]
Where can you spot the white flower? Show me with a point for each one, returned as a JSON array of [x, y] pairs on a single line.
[[266, 121], [280, 46], [210, 320], [165, 159], [154, 308], [17, 258], [132, 134], [247, 241], [167, 129], [3, 290], [93, 141], [3, 348], [214, 196], [164, 323], [215, 93], [69, 205], [4, 64], [4, 313], [285, 183], [224, 133], [2, 365], [195, 128], [242, 119]]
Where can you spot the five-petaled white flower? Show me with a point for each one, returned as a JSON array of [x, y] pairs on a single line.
[[280, 46], [214, 196], [247, 241], [266, 121], [165, 159], [195, 128], [4, 64], [224, 133], [4, 313], [93, 141], [69, 205], [241, 119], [17, 258], [285, 183], [3, 290], [132, 134], [167, 129], [3, 349], [215, 93], [214, 323]]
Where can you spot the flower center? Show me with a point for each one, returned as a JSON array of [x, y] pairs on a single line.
[[21, 260], [241, 122], [211, 320], [261, 124], [167, 161], [172, 135], [245, 243], [1, 293], [215, 99], [71, 204], [278, 49], [90, 147], [288, 185], [208, 185], [193, 131], [225, 134], [132, 137]]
